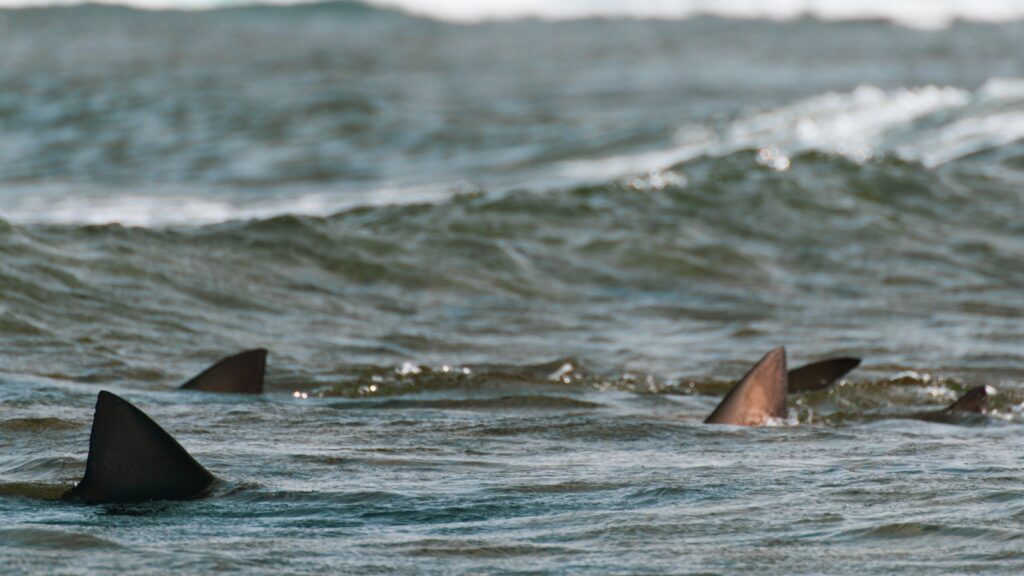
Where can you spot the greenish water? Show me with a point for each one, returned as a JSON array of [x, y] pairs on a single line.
[[504, 271]]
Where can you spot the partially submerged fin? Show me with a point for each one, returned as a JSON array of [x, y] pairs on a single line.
[[132, 459], [820, 375], [238, 374], [974, 401], [759, 397]]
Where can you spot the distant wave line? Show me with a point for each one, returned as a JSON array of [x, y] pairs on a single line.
[[925, 14]]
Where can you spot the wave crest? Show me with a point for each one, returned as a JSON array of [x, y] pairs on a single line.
[[923, 14]]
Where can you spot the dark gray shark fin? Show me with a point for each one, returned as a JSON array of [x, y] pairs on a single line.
[[820, 375], [760, 396], [132, 459], [238, 374], [974, 400]]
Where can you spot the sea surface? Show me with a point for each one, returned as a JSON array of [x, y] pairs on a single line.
[[505, 263]]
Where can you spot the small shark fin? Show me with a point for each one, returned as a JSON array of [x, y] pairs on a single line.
[[132, 459], [974, 400], [238, 374], [761, 394], [820, 375]]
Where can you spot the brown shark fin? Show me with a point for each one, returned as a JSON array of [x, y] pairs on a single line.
[[132, 459], [820, 375], [974, 400], [759, 397], [238, 374]]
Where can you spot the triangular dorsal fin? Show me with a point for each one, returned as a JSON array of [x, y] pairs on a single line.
[[761, 394], [974, 400], [820, 375], [132, 459], [238, 374]]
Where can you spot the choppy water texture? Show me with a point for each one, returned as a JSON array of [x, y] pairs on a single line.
[[504, 270]]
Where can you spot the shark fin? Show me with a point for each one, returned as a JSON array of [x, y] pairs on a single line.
[[132, 459], [820, 375], [238, 374], [974, 400], [760, 396]]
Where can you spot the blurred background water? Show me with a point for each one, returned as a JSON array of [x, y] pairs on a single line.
[[506, 257]]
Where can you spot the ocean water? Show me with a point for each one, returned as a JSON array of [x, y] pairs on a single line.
[[506, 259]]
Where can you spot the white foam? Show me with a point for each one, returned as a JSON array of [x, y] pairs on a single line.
[[851, 124]]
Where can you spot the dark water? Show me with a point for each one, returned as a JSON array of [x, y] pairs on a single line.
[[504, 271]]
